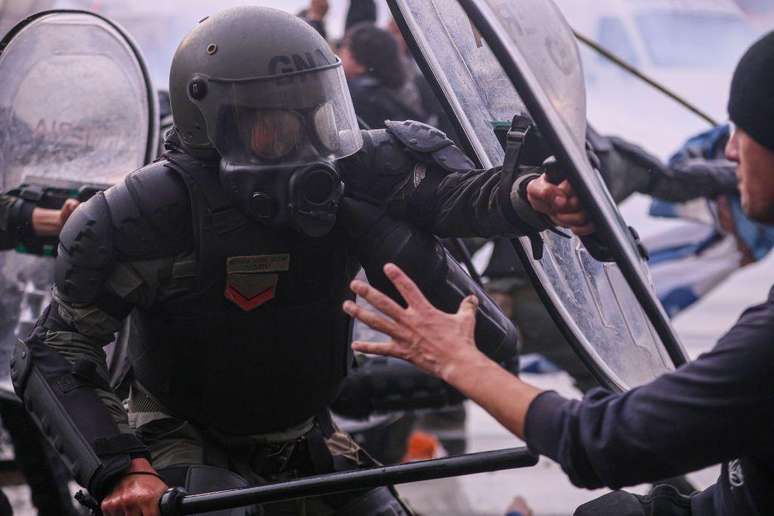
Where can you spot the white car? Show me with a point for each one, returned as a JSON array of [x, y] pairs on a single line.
[[691, 46]]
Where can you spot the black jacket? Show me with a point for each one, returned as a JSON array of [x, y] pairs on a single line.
[[716, 409]]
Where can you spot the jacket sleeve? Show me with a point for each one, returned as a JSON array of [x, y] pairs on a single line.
[[437, 187], [714, 409], [15, 221], [627, 168]]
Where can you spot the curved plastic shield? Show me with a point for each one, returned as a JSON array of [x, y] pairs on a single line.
[[530, 63], [76, 104], [77, 110]]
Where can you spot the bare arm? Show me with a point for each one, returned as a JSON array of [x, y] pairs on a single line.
[[442, 344], [712, 410]]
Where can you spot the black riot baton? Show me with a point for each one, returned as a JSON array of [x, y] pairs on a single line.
[[176, 502]]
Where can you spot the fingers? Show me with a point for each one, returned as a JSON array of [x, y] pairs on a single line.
[[372, 320], [67, 209], [566, 188], [389, 307], [151, 508], [576, 218], [71, 204], [387, 349], [468, 306], [407, 288], [549, 198]]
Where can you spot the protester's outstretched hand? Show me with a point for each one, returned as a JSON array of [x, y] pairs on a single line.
[[434, 341], [560, 203]]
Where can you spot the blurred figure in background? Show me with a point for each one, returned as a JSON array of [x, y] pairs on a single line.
[[315, 15], [375, 75]]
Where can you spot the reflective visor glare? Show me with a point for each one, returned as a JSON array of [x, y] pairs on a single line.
[[273, 133], [325, 125]]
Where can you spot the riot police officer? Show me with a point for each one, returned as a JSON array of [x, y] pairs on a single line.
[[232, 254]]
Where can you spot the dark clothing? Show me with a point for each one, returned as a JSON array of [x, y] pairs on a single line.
[[15, 221], [42, 469], [374, 102], [239, 325], [310, 280], [360, 11], [317, 25], [176, 445], [663, 500], [718, 408], [627, 168]]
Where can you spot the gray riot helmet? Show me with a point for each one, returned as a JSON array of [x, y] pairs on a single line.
[[264, 89]]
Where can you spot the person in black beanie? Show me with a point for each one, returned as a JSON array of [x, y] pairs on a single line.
[[717, 409], [751, 109]]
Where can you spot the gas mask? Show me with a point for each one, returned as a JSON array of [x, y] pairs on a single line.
[[279, 138], [304, 198]]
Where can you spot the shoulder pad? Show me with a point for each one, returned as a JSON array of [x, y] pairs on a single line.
[[380, 152], [418, 136], [145, 216], [150, 213], [429, 142], [85, 251]]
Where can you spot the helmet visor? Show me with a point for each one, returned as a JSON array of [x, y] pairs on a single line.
[[295, 118]]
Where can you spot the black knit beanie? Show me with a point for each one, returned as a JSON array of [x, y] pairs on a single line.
[[751, 102]]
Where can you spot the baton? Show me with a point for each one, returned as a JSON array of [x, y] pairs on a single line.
[[177, 502]]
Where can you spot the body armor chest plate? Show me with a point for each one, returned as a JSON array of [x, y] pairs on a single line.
[[254, 340]]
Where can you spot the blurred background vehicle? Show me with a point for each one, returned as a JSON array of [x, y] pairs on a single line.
[[759, 12], [690, 46]]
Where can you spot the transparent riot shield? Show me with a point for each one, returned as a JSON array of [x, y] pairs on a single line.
[[76, 105], [491, 59], [77, 113]]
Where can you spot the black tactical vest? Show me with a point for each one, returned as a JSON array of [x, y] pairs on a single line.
[[256, 340]]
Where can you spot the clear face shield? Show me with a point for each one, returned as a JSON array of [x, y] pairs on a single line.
[[278, 138], [295, 118]]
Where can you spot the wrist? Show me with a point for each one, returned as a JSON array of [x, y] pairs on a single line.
[[464, 367], [140, 464], [522, 207]]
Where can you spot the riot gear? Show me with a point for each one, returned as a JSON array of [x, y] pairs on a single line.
[[264, 89]]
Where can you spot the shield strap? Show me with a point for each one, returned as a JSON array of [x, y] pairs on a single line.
[[514, 143]]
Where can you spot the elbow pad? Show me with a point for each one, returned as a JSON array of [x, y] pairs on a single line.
[[384, 384], [382, 239], [61, 399]]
